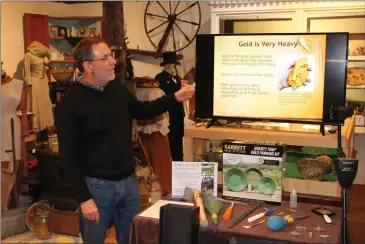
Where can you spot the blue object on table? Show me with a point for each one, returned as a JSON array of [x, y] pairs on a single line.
[[276, 223]]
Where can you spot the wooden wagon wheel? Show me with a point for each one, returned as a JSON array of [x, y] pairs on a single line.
[[172, 26]]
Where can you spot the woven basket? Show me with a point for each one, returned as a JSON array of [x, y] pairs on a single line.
[[62, 76]]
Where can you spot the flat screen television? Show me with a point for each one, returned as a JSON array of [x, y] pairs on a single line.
[[284, 77]]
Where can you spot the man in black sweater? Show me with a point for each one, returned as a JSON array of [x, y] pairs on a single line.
[[94, 125]]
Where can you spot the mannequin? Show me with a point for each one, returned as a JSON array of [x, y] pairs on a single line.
[[170, 82], [13, 99], [154, 134], [35, 76]]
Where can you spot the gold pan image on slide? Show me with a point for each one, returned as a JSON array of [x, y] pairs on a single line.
[[298, 75]]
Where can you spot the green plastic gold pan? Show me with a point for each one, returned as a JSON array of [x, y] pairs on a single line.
[[235, 179], [254, 175], [267, 185]]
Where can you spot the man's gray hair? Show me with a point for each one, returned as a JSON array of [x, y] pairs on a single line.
[[83, 50]]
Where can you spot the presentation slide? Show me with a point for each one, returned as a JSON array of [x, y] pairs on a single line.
[[273, 76]]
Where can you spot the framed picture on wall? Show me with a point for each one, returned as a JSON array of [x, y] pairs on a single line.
[[92, 32], [53, 31], [83, 32], [69, 32], [63, 32]]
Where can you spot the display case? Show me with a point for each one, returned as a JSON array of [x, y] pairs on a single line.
[[298, 17], [355, 93], [355, 25]]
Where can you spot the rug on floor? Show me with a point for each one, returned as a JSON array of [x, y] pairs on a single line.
[[29, 237]]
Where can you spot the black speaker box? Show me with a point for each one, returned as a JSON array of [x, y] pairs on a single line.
[[179, 224]]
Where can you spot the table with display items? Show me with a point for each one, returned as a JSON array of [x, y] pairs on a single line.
[[146, 230]]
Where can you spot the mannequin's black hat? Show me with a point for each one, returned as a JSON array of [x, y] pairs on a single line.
[[169, 58]]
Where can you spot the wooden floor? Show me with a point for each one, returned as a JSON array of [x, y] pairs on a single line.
[[356, 221], [29, 237]]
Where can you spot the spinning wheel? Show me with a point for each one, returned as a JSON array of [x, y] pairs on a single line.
[[172, 26]]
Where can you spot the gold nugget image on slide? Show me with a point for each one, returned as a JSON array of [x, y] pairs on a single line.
[[298, 75]]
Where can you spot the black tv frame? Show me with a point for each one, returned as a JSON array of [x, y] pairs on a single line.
[[336, 61]]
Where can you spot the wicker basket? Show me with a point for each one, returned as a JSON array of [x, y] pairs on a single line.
[[62, 76]]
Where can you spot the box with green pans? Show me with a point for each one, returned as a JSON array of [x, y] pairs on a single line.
[[253, 171]]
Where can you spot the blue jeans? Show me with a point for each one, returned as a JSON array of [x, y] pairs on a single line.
[[118, 202]]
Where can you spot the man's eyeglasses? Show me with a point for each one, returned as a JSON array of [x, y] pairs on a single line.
[[105, 58]]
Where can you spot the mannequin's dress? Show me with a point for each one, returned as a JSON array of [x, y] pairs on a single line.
[[41, 105], [155, 140], [11, 101]]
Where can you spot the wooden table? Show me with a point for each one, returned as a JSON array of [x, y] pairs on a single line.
[[146, 230]]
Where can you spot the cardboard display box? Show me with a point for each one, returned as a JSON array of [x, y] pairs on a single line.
[[253, 171]]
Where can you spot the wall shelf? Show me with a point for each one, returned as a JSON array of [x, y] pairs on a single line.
[[68, 42], [56, 37], [355, 87], [356, 58], [359, 130]]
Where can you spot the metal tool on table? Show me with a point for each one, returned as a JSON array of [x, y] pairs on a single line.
[[277, 223], [213, 206], [325, 213], [258, 223], [224, 200], [268, 212], [285, 211], [253, 208], [193, 194], [265, 220]]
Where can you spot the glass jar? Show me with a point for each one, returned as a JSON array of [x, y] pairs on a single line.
[[144, 187], [155, 189], [41, 223]]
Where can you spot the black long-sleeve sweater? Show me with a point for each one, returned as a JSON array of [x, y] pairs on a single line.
[[95, 132]]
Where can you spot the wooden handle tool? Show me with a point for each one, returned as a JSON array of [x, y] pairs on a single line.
[[228, 213], [202, 215]]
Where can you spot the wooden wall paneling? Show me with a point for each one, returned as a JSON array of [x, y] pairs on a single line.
[[113, 32]]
